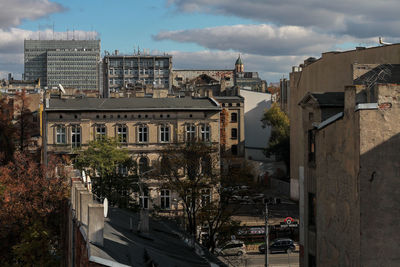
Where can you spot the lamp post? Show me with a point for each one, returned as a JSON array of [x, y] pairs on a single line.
[[266, 234]]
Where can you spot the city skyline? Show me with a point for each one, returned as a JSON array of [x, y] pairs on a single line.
[[200, 34]]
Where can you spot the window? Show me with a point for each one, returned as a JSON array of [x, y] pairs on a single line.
[[122, 133], [143, 165], [205, 132], [206, 167], [234, 133], [60, 134], [205, 197], [164, 134], [122, 170], [234, 117], [165, 166], [100, 132], [311, 146], [76, 135], [143, 134], [144, 200], [165, 199], [234, 150], [190, 132]]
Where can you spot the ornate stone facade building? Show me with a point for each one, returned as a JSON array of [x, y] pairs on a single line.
[[143, 126]]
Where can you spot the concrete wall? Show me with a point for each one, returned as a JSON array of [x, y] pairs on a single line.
[[355, 179], [379, 180], [255, 105], [328, 74], [337, 201]]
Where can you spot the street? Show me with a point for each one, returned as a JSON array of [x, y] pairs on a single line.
[[254, 259]]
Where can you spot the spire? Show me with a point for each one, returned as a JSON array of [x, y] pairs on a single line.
[[239, 67]]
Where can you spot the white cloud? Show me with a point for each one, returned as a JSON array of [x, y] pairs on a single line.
[[261, 39], [271, 68], [13, 12], [357, 18]]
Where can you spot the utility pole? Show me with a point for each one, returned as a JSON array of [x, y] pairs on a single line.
[[266, 234]]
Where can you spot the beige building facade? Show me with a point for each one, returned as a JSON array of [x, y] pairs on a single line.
[[143, 126], [351, 180]]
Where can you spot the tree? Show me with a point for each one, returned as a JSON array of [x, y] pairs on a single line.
[[7, 130], [217, 215], [24, 125], [32, 201], [279, 142], [112, 170], [190, 170]]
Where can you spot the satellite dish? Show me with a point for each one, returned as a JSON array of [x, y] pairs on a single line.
[[89, 183], [105, 204], [61, 88], [84, 176]]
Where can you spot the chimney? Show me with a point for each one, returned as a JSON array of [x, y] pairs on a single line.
[[85, 200], [75, 184], [78, 189], [349, 99], [96, 224]]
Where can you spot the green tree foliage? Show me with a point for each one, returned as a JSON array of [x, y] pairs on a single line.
[[279, 142], [112, 170]]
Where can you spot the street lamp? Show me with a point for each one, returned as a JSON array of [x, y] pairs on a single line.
[[266, 234]]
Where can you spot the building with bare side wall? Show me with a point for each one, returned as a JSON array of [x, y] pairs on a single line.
[[351, 178]]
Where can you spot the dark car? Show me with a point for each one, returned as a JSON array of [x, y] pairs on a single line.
[[279, 245]]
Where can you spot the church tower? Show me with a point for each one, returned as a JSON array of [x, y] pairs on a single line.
[[239, 67]]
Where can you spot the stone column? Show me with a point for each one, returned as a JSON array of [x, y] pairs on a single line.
[[85, 199]]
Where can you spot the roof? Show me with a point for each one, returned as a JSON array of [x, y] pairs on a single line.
[[383, 73], [163, 245], [239, 61], [328, 99], [132, 104]]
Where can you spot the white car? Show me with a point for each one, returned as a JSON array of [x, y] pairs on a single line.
[[234, 247]]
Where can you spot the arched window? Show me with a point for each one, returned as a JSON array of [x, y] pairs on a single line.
[[165, 166], [143, 165]]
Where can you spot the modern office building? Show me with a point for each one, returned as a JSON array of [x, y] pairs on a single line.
[[71, 63], [130, 71]]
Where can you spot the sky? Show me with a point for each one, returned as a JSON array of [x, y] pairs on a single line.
[[271, 36]]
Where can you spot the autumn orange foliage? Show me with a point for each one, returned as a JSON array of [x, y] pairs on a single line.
[[30, 195]]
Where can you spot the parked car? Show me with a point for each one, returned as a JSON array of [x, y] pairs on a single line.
[[279, 245], [258, 197], [234, 247]]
